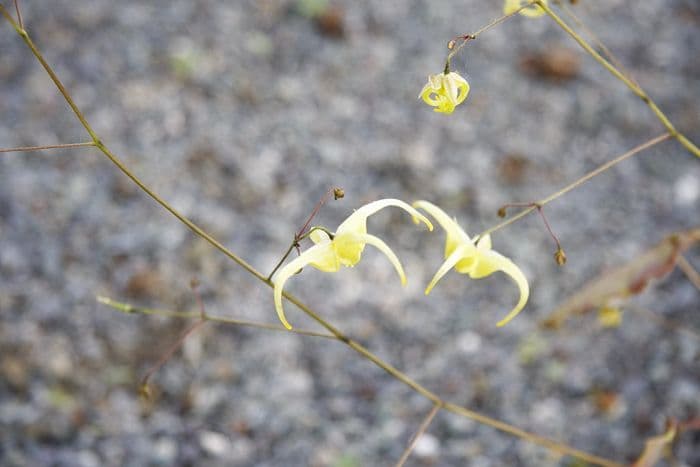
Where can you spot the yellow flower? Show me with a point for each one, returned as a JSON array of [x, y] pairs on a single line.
[[445, 91], [476, 259], [532, 11], [343, 248]]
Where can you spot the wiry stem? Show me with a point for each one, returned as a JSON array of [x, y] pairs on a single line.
[[50, 146], [168, 354], [470, 37], [636, 89], [19, 15], [578, 182], [691, 273], [421, 430], [129, 309], [608, 53]]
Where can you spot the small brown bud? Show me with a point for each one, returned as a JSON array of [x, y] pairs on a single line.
[[338, 193], [560, 256], [502, 211]]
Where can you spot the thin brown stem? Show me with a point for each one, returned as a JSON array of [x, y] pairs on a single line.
[[19, 15], [169, 353], [421, 430], [579, 182], [470, 37], [317, 208], [691, 273], [49, 146], [61, 88], [540, 210], [300, 234], [536, 439], [194, 284], [294, 244]]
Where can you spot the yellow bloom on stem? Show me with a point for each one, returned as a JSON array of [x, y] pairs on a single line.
[[445, 91], [532, 11], [343, 248], [475, 259]]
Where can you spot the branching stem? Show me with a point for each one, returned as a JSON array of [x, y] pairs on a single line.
[[578, 182], [50, 146], [19, 15], [636, 89], [421, 430]]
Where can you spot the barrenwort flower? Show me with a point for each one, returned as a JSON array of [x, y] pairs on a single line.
[[342, 248], [445, 91], [474, 258]]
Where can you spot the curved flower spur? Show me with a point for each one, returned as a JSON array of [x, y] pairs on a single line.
[[473, 257], [342, 248]]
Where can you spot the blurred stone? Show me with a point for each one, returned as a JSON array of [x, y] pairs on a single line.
[[145, 283], [687, 189], [331, 22], [215, 444], [14, 371], [555, 63], [512, 168], [164, 451], [427, 446]]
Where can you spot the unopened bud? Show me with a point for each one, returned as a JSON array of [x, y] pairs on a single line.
[[451, 44], [560, 257], [338, 193], [502, 211]]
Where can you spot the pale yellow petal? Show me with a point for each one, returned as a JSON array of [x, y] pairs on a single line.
[[357, 221], [384, 248], [427, 94], [451, 88], [445, 106], [511, 6], [459, 254], [533, 11], [490, 262], [462, 86], [455, 234], [348, 248], [484, 243], [318, 254], [318, 236]]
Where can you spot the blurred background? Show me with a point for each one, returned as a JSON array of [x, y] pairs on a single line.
[[242, 114]]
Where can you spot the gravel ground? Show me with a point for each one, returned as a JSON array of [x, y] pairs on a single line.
[[241, 114]]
